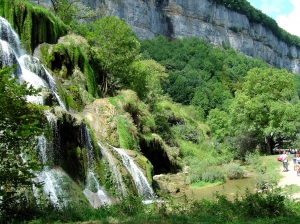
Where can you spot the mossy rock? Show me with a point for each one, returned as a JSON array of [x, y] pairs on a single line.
[[34, 24], [74, 76]]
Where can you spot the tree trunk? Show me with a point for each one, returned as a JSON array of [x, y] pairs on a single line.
[[270, 144]]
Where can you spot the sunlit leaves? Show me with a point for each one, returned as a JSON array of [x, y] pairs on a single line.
[[20, 122], [263, 104]]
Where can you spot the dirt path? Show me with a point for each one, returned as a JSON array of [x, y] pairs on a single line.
[[290, 178]]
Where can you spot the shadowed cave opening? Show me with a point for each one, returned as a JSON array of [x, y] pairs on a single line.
[[156, 154]]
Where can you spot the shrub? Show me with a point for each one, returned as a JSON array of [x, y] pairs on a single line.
[[204, 174], [187, 133], [213, 175], [252, 158], [233, 171]]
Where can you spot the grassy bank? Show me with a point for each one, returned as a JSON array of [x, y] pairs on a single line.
[[246, 207], [251, 208]]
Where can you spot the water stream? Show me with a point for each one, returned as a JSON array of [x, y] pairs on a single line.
[[116, 175], [140, 181], [31, 70], [93, 191]]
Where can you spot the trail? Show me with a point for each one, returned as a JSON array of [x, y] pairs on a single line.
[[289, 178]]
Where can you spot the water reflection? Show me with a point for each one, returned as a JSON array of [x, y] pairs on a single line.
[[230, 188]]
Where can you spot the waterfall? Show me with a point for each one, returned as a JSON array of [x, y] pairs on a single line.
[[93, 191], [34, 65], [29, 68], [141, 183], [9, 35], [51, 178], [117, 176]]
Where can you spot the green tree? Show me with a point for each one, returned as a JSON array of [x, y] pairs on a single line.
[[262, 106], [145, 78], [74, 11], [114, 48], [218, 122], [20, 122]]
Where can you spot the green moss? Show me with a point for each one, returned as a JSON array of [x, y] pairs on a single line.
[[126, 131], [34, 25], [98, 164], [147, 166], [70, 64], [116, 101]]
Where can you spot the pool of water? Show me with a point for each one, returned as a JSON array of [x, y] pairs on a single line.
[[230, 188]]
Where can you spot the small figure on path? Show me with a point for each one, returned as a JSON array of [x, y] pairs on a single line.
[[298, 159], [295, 161], [285, 161]]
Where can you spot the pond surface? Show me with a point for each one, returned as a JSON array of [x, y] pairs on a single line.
[[230, 188]]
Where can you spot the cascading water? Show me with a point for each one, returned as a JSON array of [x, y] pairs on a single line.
[[29, 68], [141, 183], [9, 35], [93, 191], [52, 177], [34, 65], [117, 176]]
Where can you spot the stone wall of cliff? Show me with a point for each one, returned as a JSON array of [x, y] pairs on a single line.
[[203, 19]]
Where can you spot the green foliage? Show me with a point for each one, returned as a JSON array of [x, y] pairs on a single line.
[[127, 133], [252, 158], [218, 122], [114, 48], [199, 74], [34, 24], [262, 105], [20, 122], [234, 29], [186, 133], [233, 171], [145, 78], [256, 16], [207, 174]]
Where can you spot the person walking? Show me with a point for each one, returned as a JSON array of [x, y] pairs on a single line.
[[285, 161]]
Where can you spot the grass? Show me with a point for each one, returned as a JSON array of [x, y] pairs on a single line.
[[268, 207], [202, 184], [257, 208]]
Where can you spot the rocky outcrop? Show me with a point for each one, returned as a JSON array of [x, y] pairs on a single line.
[[174, 185], [33, 24], [203, 19]]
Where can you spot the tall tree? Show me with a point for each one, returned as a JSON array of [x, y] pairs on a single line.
[[114, 47], [145, 77], [20, 122], [262, 105]]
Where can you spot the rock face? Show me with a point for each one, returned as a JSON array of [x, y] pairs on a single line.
[[203, 19]]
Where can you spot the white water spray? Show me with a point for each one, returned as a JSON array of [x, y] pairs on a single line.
[[29, 68], [93, 191], [117, 176], [141, 183]]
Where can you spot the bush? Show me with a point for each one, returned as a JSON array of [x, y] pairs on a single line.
[[204, 174], [234, 171], [252, 158], [187, 133]]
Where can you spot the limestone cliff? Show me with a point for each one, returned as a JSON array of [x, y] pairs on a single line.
[[203, 19]]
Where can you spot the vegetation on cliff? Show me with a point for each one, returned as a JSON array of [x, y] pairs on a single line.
[[256, 16], [33, 24], [20, 122], [207, 83]]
